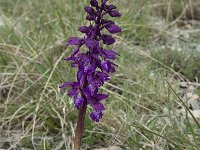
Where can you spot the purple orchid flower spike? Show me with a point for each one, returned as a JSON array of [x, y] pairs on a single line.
[[93, 66], [96, 57]]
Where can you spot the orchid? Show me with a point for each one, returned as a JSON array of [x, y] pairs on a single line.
[[94, 65], [89, 80]]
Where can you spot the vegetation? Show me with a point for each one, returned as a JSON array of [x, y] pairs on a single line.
[[141, 111]]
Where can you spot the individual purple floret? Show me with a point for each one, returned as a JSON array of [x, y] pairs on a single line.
[[94, 65]]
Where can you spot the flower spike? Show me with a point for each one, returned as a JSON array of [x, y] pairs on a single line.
[[93, 66]]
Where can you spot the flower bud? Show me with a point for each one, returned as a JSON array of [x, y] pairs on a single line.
[[113, 28], [114, 13], [84, 29], [90, 17], [94, 3], [90, 10]]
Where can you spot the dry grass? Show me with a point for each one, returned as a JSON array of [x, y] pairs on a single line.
[[140, 112]]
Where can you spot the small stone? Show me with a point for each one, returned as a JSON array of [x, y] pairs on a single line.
[[183, 85], [191, 88], [195, 96], [196, 114], [194, 102], [181, 112], [189, 95]]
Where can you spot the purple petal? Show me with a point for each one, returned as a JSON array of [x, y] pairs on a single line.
[[107, 66], [90, 78], [101, 74], [86, 93], [90, 43], [97, 83], [98, 106], [90, 10], [70, 84], [94, 3], [84, 29], [109, 54], [78, 101], [74, 41], [113, 28], [111, 69], [110, 7], [76, 85], [66, 84], [75, 51], [104, 65], [86, 66], [74, 64], [81, 77], [96, 116], [73, 92], [82, 80], [92, 89], [101, 97], [102, 77], [70, 58], [108, 22], [114, 13], [108, 39], [89, 67], [92, 67], [90, 17], [79, 74]]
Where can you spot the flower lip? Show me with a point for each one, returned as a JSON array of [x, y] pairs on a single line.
[[91, 43], [96, 115], [107, 66], [73, 92], [78, 101], [98, 106], [92, 90], [109, 54], [101, 97]]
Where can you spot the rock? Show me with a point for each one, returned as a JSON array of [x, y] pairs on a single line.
[[189, 95], [186, 96], [191, 88], [196, 114], [194, 102], [181, 111], [183, 85]]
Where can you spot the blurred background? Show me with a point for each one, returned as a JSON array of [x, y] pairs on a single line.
[[154, 99]]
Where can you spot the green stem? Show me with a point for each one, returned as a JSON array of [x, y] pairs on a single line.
[[80, 127]]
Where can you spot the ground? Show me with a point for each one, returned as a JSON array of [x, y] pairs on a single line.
[[153, 99]]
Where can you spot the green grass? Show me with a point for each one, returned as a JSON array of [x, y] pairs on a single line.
[[140, 112]]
